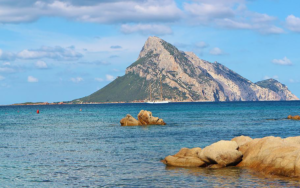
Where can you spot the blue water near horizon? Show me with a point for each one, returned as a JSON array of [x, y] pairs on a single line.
[[65, 147]]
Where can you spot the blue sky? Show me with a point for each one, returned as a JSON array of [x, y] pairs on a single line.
[[60, 50]]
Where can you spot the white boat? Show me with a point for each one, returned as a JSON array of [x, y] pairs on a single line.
[[157, 102]]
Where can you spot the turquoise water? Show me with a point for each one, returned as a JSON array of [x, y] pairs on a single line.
[[63, 147]]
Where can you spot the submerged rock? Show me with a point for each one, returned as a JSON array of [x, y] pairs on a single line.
[[144, 118]]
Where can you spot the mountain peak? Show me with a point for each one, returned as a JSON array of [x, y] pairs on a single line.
[[152, 44]]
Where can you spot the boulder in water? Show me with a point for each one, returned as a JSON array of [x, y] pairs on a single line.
[[129, 121], [294, 117], [144, 118], [185, 158], [269, 155], [273, 155]]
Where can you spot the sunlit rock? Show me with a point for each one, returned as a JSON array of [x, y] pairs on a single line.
[[185, 158], [144, 118]]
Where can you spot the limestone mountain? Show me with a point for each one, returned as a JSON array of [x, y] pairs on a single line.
[[277, 87], [184, 77]]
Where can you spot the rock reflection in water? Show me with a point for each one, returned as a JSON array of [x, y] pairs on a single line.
[[233, 177]]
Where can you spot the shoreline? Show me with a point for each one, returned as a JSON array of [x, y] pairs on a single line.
[[68, 103]]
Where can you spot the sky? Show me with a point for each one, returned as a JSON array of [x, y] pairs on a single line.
[[60, 50]]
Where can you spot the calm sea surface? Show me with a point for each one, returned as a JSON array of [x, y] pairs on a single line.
[[63, 147]]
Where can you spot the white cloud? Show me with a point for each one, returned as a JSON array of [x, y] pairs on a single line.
[[284, 61], [32, 79], [6, 55], [202, 44], [41, 65], [116, 47], [57, 53], [109, 77], [231, 14], [271, 30], [91, 11], [146, 29], [268, 77], [116, 70], [208, 11], [7, 70], [99, 79], [97, 62], [294, 81], [216, 51], [2, 77], [6, 63], [293, 23], [77, 79]]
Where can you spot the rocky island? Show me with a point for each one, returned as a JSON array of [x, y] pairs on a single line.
[[185, 77]]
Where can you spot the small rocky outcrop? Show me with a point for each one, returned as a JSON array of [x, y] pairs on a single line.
[[129, 121], [144, 118], [269, 155], [185, 158], [294, 117]]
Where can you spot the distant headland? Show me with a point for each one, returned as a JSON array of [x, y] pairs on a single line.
[[183, 77]]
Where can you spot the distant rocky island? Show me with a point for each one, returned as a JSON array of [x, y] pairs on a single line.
[[41, 103], [185, 77]]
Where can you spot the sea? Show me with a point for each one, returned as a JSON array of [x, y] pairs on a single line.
[[64, 146]]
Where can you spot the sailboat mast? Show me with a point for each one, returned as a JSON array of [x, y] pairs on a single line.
[[160, 89], [150, 91]]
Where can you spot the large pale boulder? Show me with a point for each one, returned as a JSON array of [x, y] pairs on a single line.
[[273, 155], [270, 155], [241, 140], [129, 121], [224, 153], [185, 158], [145, 118]]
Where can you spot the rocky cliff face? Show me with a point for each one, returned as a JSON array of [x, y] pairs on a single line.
[[277, 87], [184, 77]]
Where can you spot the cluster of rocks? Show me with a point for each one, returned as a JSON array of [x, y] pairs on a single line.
[[294, 117], [144, 118], [268, 155]]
